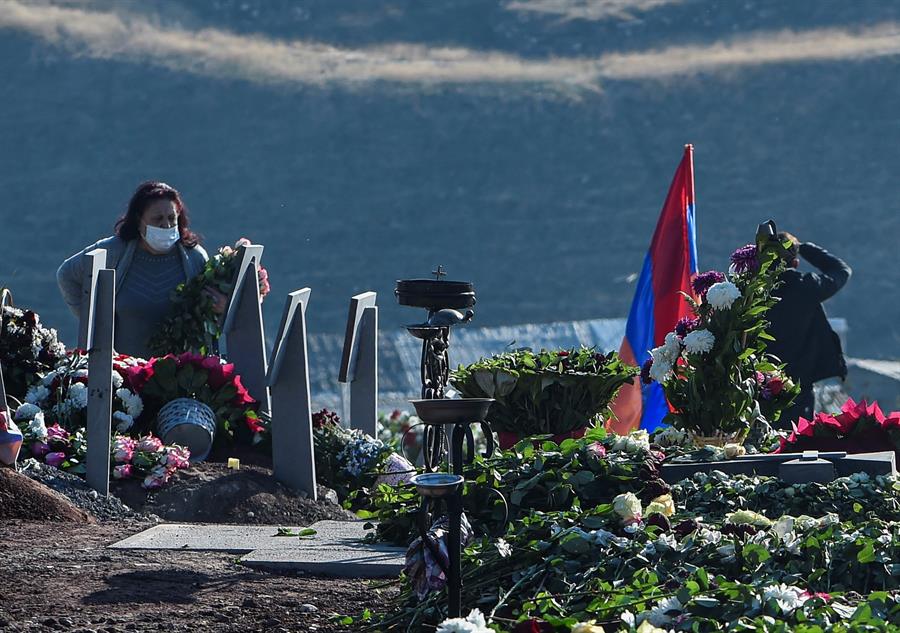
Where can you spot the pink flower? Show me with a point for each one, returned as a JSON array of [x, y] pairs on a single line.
[[123, 471], [39, 449], [807, 594], [123, 449], [188, 358], [395, 414], [597, 450], [775, 385], [177, 457], [149, 444], [55, 459], [243, 397], [253, 423], [242, 242], [56, 432], [892, 421], [210, 363]]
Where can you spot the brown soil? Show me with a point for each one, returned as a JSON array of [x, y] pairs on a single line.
[[210, 493], [22, 498], [61, 576]]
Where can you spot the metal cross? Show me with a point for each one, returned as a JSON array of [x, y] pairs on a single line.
[[440, 272]]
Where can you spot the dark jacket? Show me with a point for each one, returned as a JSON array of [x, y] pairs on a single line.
[[803, 338]]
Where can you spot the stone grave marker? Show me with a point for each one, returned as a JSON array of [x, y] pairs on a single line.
[[100, 368], [807, 466], [293, 459], [95, 260], [243, 340], [359, 362]]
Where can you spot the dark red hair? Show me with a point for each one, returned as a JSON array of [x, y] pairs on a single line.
[[128, 227]]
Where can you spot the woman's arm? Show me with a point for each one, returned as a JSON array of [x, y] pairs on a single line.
[[70, 274]]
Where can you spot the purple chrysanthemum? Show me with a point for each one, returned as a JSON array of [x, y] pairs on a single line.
[[645, 371], [744, 259], [703, 281], [686, 325]]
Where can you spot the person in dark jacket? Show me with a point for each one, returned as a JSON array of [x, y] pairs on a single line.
[[804, 340]]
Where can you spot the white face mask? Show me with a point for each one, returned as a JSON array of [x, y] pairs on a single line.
[[161, 240]]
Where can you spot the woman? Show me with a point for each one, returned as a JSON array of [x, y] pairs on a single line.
[[152, 252]]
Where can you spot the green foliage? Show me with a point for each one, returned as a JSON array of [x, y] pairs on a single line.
[[549, 392]]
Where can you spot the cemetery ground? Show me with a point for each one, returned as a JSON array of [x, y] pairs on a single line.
[[61, 574]]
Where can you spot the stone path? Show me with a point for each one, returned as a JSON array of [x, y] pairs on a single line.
[[335, 550]]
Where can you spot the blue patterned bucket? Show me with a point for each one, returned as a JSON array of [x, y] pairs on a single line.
[[188, 422]]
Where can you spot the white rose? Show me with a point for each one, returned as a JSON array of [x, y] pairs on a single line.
[[699, 341], [722, 295], [663, 504], [627, 506]]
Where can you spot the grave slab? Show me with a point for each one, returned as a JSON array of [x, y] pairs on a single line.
[[360, 561], [242, 539]]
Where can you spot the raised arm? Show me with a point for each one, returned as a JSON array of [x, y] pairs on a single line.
[[834, 271]]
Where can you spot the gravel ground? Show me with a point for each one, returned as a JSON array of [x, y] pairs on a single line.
[[109, 508]]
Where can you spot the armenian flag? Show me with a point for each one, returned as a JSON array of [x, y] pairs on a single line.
[[657, 305]]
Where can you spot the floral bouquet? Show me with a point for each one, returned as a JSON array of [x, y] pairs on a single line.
[[146, 458], [859, 428], [27, 349], [546, 392], [713, 369], [198, 305], [61, 394], [207, 379], [348, 459]]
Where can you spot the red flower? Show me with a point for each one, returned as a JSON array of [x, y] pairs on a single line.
[[253, 423], [243, 396], [220, 375], [840, 426], [775, 385], [804, 427], [533, 626], [892, 421]]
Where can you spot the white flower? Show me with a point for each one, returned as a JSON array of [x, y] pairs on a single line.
[[78, 395], [713, 537], [663, 612], [748, 517], [117, 380], [133, 403], [672, 346], [27, 411], [587, 627], [503, 548], [37, 427], [787, 597], [670, 436], [123, 421], [722, 295], [627, 506], [36, 394], [634, 442], [734, 450], [473, 623], [661, 368], [699, 341]]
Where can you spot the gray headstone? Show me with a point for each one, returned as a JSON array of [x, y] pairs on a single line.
[[359, 362], [293, 457], [100, 368], [243, 339], [94, 262]]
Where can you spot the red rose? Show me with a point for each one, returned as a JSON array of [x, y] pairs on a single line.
[[775, 385]]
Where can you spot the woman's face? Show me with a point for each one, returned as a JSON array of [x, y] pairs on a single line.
[[159, 213]]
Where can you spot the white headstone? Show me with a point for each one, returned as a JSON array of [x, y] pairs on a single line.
[[95, 261], [100, 368], [359, 362], [243, 340], [293, 453]]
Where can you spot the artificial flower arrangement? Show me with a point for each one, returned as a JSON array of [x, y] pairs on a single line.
[[195, 322], [548, 392], [207, 379], [62, 393], [27, 349], [145, 458], [713, 368], [860, 427], [348, 460]]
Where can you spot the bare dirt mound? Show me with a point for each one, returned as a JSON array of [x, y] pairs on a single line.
[[23, 498], [211, 493]]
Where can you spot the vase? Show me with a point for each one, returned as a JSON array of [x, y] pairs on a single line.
[[508, 439], [187, 422]]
